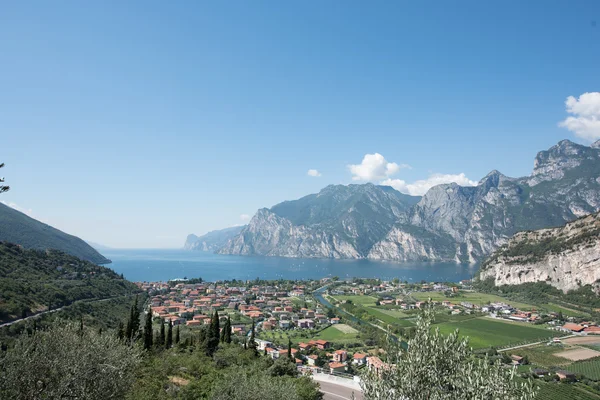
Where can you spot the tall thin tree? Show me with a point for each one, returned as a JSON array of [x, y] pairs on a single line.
[[228, 330], [169, 342], [148, 332], [162, 338], [252, 342]]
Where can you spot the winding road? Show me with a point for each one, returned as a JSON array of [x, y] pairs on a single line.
[[61, 308]]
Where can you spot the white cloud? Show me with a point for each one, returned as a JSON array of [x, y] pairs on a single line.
[[585, 121], [26, 211], [245, 217], [420, 187], [374, 167], [313, 172]]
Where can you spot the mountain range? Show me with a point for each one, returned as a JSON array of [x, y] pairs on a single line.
[[18, 228], [449, 223]]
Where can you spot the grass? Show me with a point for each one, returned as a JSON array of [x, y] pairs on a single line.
[[387, 318], [566, 311], [485, 332], [590, 368], [393, 312], [543, 355], [330, 333], [335, 335], [359, 300], [471, 297], [561, 391]]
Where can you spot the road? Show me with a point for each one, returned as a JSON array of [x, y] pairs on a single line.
[[536, 343], [60, 308], [338, 392]]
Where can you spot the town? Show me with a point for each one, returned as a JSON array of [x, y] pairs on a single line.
[[338, 326]]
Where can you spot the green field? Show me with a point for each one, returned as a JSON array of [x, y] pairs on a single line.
[[331, 334], [359, 300], [561, 391], [590, 369], [384, 315], [471, 297], [484, 332], [543, 355], [566, 311]]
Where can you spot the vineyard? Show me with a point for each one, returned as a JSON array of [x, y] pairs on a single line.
[[590, 369], [561, 391]]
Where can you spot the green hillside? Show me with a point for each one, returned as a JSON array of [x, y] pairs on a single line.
[[16, 227], [31, 280]]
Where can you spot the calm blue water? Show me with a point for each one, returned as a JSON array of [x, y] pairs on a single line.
[[162, 265]]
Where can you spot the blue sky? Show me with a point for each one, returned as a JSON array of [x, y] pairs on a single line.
[[133, 124]]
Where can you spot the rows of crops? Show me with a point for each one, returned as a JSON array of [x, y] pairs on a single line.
[[590, 368], [562, 391]]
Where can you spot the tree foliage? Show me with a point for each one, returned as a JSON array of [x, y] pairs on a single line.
[[3, 188], [63, 362], [436, 367]]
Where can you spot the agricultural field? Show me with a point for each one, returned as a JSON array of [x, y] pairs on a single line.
[[543, 355], [485, 332], [336, 335], [566, 311], [358, 300], [590, 369], [578, 354], [471, 297], [387, 316], [561, 391]]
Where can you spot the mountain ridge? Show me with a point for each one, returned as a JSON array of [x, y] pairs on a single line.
[[18, 228], [449, 223]]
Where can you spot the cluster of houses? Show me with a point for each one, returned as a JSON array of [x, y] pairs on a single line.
[[589, 328], [338, 360], [271, 307]]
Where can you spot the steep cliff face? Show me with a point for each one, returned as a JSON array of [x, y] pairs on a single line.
[[409, 243], [269, 234], [449, 222], [566, 258], [213, 240]]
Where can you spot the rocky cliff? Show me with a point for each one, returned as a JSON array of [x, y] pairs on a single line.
[[449, 222], [566, 258], [213, 240]]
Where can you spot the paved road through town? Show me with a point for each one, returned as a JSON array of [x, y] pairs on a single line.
[[338, 392]]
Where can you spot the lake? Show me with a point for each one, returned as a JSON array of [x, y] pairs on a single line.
[[163, 265]]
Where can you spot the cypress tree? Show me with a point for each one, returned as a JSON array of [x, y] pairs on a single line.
[[289, 348], [148, 332], [222, 338], [177, 335], [252, 341], [81, 325], [212, 339], [162, 337], [120, 330], [228, 330], [134, 318], [169, 343], [215, 325]]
